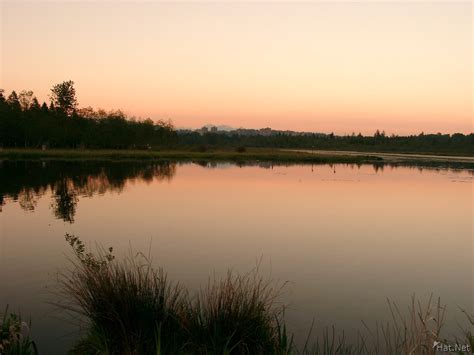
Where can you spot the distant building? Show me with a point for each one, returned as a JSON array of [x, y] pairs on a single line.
[[214, 129]]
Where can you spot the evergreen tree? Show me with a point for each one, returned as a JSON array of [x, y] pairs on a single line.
[[13, 101], [35, 106], [44, 107]]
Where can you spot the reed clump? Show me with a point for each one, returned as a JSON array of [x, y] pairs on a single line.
[[237, 314], [133, 308]]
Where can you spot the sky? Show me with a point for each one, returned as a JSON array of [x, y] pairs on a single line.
[[403, 67]]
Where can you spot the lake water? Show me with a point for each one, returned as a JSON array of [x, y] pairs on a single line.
[[346, 237]]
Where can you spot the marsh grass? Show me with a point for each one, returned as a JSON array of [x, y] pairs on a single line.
[[411, 332], [14, 335], [467, 330], [237, 314], [130, 305], [198, 153], [133, 308]]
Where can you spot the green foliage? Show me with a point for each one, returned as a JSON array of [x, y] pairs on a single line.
[[14, 336], [89, 260]]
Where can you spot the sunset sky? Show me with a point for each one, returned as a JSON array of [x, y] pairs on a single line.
[[402, 67]]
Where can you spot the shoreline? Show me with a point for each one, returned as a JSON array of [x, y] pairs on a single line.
[[392, 156], [249, 155]]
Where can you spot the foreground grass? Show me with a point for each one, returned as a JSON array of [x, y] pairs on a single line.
[[14, 336], [133, 308]]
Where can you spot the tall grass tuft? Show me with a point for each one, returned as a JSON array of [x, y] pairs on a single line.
[[133, 308], [237, 315], [130, 305], [411, 332], [467, 331]]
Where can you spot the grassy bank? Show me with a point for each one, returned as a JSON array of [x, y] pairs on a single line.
[[253, 154], [134, 308], [237, 155]]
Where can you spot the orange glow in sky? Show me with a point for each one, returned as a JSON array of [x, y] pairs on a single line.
[[402, 67]]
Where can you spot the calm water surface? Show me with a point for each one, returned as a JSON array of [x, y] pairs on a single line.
[[344, 236]]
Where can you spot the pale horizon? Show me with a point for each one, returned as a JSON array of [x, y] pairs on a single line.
[[340, 67]]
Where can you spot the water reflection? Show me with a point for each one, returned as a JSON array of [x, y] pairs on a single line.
[[26, 182], [64, 200], [345, 236]]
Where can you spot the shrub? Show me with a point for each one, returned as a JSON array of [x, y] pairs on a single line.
[[241, 149]]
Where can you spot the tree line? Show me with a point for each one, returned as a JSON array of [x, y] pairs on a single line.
[[24, 122], [457, 143]]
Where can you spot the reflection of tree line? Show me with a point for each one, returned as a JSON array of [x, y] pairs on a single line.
[[377, 166], [27, 182]]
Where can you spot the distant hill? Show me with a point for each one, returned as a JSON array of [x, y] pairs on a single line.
[[220, 127]]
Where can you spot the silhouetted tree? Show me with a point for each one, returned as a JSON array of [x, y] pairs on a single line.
[[26, 99], [13, 101], [35, 106], [24, 124], [63, 96]]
